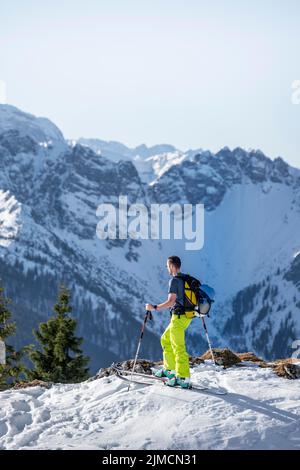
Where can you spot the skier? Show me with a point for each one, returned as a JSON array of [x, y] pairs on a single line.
[[175, 358]]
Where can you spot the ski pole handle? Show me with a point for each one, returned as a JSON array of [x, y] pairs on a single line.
[[147, 314]]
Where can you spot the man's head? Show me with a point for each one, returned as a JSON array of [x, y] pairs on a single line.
[[173, 265]]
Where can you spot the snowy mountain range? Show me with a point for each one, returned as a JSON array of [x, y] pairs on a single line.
[[50, 189]]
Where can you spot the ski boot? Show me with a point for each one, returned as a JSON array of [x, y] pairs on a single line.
[[183, 382], [169, 374]]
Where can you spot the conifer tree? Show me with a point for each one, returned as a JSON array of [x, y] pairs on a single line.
[[60, 358], [11, 368]]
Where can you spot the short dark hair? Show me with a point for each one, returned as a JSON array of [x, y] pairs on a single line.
[[175, 260]]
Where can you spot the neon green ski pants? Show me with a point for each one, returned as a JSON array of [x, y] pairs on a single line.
[[173, 345]]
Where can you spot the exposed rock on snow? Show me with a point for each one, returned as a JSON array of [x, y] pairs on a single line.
[[251, 357], [33, 383], [195, 360], [142, 365], [223, 357], [287, 368]]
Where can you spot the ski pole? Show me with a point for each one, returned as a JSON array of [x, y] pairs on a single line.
[[208, 340], [148, 314]]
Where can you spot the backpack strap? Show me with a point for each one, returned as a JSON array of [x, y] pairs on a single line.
[[180, 310], [183, 278]]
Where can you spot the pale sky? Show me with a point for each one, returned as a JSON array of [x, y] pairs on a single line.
[[192, 73]]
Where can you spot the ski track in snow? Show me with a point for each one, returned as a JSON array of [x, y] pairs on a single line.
[[261, 411]]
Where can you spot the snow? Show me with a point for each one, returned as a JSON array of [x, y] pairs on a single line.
[[261, 411], [10, 210], [152, 168], [116, 151], [40, 129]]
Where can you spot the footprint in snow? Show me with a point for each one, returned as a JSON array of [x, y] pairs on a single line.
[[20, 405], [43, 416], [18, 421], [3, 429]]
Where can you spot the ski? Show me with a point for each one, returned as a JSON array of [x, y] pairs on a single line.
[[122, 374], [129, 379], [138, 374]]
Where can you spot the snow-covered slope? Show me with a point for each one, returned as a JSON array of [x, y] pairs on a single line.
[[261, 412], [9, 215], [40, 129], [49, 193]]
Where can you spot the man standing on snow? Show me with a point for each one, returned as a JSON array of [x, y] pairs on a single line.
[[176, 359]]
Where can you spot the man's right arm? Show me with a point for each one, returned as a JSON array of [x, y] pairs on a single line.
[[172, 296], [168, 303]]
